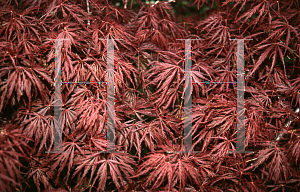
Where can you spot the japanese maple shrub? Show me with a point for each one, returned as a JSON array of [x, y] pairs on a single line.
[[149, 79]]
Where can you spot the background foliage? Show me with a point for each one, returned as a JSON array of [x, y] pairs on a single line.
[[149, 82]]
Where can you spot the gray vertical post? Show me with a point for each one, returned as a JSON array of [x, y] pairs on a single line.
[[188, 97], [240, 146], [110, 133], [188, 118], [57, 100], [110, 96], [240, 96]]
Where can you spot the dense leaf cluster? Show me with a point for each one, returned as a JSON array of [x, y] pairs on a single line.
[[149, 89]]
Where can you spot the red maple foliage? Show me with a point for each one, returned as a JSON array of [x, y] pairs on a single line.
[[149, 77]]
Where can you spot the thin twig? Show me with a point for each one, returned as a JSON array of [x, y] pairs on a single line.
[[246, 161]]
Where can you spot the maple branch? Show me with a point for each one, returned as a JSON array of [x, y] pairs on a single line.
[[88, 10], [286, 125], [278, 138], [291, 50], [125, 4], [246, 161]]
